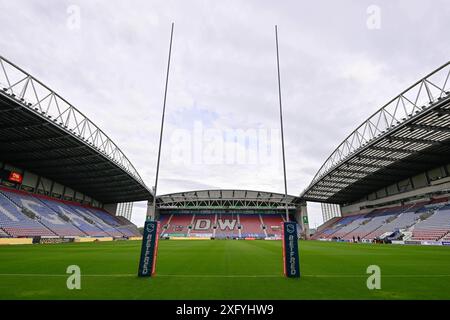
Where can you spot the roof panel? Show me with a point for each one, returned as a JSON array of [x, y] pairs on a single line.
[[218, 196]]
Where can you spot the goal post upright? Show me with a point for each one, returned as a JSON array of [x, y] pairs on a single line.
[[149, 248], [281, 125], [155, 187], [291, 263]]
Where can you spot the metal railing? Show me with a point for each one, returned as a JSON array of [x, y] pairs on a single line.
[[40, 99]]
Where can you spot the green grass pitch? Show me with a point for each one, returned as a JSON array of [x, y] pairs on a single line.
[[224, 269]]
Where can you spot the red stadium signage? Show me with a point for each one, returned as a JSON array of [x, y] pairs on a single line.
[[15, 177]]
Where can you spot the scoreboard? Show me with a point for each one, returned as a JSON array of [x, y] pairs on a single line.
[[11, 176]]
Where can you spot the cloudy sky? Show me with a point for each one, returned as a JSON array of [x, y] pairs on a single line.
[[340, 62]]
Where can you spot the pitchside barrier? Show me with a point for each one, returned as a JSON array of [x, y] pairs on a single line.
[[94, 239], [14, 241], [189, 238]]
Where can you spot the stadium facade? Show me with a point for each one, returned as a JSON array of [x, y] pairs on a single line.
[[62, 177], [228, 214]]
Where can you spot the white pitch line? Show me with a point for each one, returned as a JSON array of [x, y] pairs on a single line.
[[230, 276], [135, 275], [382, 275], [219, 275], [307, 275], [62, 275]]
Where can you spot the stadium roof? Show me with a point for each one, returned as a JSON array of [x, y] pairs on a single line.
[[226, 199], [43, 133], [407, 136]]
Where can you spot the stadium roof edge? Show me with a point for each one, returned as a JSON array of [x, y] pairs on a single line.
[[167, 200]]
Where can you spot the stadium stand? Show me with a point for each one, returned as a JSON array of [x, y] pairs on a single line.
[[82, 222], [54, 172], [179, 225], [227, 226], [221, 225], [30, 215], [331, 230], [404, 220], [272, 224], [374, 221], [428, 221], [203, 224], [17, 224], [47, 217], [251, 226], [84, 211], [397, 156], [165, 220], [112, 221], [353, 224], [127, 224], [435, 226], [228, 214], [3, 234]]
